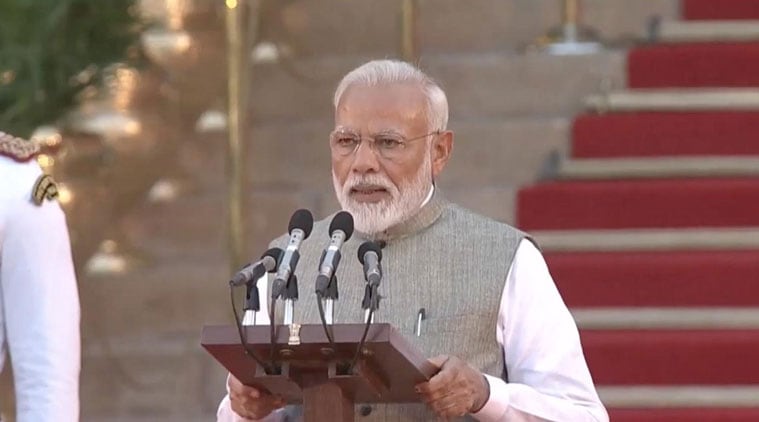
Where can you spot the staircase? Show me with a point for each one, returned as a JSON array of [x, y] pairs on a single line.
[[651, 225]]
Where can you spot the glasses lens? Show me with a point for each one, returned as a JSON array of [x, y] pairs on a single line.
[[343, 143], [389, 146]]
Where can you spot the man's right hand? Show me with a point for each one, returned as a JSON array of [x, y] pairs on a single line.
[[251, 403]]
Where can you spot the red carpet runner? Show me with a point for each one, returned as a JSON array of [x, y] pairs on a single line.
[[720, 10], [648, 134]]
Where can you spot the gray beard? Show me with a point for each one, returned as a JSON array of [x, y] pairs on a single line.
[[405, 201]]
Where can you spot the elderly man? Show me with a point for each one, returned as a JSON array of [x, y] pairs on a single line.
[[39, 303], [505, 343]]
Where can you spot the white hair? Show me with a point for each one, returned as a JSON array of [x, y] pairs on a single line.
[[380, 72]]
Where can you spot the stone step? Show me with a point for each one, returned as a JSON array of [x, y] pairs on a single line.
[[340, 27], [480, 85], [675, 99], [653, 168], [636, 318], [694, 239], [685, 414], [707, 31], [677, 396]]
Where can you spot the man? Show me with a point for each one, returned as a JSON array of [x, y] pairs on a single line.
[[504, 341], [39, 303]]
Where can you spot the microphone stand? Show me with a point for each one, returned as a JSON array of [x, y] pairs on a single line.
[[290, 295], [325, 300], [370, 304], [252, 303]]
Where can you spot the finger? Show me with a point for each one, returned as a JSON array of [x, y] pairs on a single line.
[[236, 386], [251, 392], [439, 360], [442, 379]]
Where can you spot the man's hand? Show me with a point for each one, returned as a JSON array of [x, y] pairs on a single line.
[[456, 390], [251, 403]]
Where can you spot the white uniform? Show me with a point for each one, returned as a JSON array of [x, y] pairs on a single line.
[[39, 303]]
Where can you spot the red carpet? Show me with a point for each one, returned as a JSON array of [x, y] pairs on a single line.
[[684, 415], [720, 10], [657, 279], [694, 65], [647, 134], [671, 357], [612, 204], [668, 278]]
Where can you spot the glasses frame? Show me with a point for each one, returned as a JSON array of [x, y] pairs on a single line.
[[372, 141]]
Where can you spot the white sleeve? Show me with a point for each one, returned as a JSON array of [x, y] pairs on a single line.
[[548, 377], [225, 413], [41, 304]]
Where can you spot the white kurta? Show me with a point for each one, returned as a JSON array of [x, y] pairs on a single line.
[[39, 303]]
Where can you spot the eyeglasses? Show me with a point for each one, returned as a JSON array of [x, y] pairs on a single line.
[[390, 146]]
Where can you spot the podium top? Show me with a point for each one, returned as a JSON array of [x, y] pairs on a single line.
[[388, 369]]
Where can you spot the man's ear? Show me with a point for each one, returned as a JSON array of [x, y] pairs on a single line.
[[442, 147]]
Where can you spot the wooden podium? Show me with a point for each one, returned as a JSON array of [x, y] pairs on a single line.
[[311, 371]]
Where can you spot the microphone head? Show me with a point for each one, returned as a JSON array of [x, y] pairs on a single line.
[[342, 221], [303, 220], [369, 246], [271, 259]]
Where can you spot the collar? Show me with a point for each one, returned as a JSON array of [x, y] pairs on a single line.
[[431, 209]]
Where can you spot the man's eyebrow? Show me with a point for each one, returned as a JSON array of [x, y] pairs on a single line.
[[344, 129], [388, 132]]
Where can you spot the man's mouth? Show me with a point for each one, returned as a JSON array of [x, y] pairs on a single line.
[[369, 193]]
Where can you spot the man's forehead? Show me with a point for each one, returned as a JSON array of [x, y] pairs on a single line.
[[361, 104], [397, 94]]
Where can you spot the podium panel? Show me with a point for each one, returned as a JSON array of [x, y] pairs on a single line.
[[387, 370]]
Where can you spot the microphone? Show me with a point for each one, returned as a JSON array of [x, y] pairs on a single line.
[[256, 270], [340, 230], [370, 255], [300, 227]]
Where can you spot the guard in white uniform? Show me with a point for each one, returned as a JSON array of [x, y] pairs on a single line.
[[39, 302]]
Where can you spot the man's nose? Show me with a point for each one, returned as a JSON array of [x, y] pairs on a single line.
[[365, 158]]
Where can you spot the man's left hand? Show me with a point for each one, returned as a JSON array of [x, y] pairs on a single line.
[[456, 390]]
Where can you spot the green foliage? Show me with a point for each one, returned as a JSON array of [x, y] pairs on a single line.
[[45, 45]]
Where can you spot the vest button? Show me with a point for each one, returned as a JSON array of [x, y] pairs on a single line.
[[365, 410]]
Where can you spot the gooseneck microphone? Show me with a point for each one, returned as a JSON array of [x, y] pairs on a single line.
[[249, 276], [370, 256], [300, 227], [253, 271], [285, 283], [340, 231]]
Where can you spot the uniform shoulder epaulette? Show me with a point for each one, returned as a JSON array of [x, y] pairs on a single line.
[[17, 148], [44, 188]]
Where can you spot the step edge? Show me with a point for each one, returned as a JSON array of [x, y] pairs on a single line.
[[657, 167], [736, 238], [666, 318], [696, 396]]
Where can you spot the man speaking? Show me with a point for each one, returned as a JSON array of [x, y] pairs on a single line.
[[472, 293]]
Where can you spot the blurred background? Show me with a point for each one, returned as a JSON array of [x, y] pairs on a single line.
[[622, 134]]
